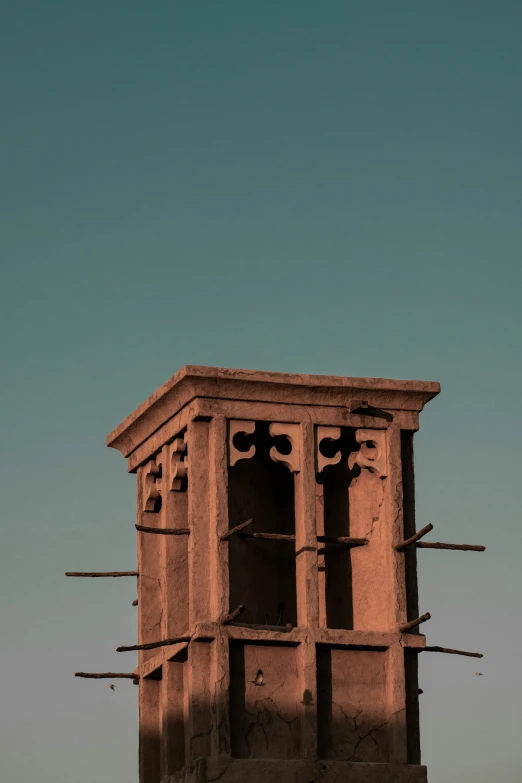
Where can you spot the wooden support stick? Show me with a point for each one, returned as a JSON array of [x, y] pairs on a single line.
[[107, 675], [153, 645], [135, 603], [164, 531], [414, 623], [283, 628], [268, 536], [233, 615], [414, 538], [452, 652], [236, 529], [460, 547], [101, 573], [345, 540]]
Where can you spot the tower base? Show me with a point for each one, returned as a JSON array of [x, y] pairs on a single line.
[[301, 771]]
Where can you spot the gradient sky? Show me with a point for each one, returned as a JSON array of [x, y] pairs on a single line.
[[327, 187]]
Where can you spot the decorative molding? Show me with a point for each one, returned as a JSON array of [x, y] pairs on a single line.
[[151, 484], [372, 454], [292, 432], [235, 427], [322, 434], [178, 463]]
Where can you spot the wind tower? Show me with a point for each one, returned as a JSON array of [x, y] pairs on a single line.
[[278, 618]]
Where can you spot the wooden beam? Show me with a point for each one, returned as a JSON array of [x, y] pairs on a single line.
[[460, 547], [233, 615], [164, 531], [108, 675], [345, 540], [268, 536], [283, 628], [414, 623], [413, 539], [236, 529], [101, 573], [153, 645], [451, 652]]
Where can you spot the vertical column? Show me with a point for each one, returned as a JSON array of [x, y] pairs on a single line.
[[199, 521], [173, 572], [372, 517], [149, 556], [149, 618], [219, 587], [149, 732], [395, 528], [172, 718], [396, 704], [174, 553], [197, 690], [218, 500], [321, 559], [197, 702], [307, 589], [396, 677]]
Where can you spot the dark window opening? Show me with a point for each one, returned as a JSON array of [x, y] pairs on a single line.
[[262, 572]]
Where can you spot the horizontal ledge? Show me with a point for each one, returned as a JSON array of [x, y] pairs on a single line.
[[164, 531], [439, 545], [94, 574], [107, 675]]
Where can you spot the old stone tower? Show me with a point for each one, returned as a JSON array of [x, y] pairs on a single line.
[[274, 577]]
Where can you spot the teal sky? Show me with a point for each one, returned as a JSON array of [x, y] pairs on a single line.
[[324, 187]]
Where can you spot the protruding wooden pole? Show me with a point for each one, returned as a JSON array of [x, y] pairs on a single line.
[[153, 645], [101, 573], [268, 536], [344, 540], [283, 628], [236, 529], [233, 615], [414, 623], [460, 547], [451, 652], [413, 539], [164, 531], [107, 675]]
